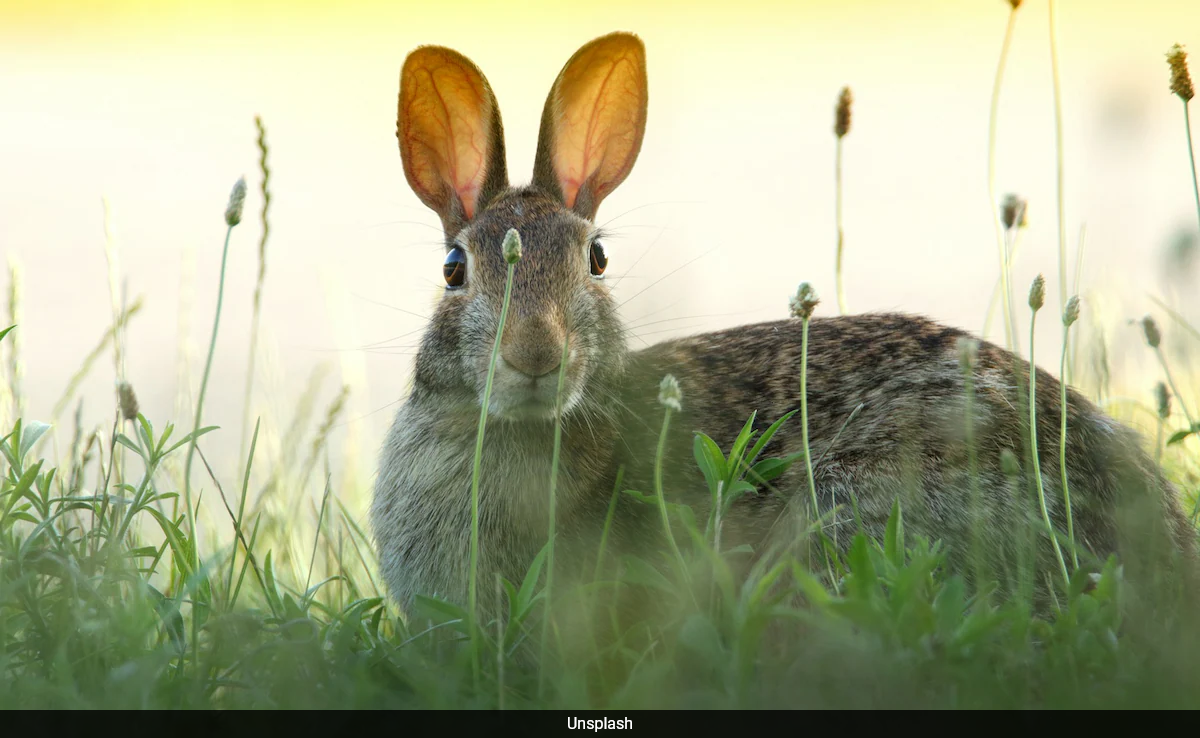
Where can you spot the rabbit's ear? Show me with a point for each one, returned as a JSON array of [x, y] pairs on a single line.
[[593, 122], [451, 137]]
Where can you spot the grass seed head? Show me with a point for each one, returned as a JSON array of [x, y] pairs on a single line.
[[1150, 328], [841, 117], [1013, 211], [127, 400], [1181, 80], [1037, 293], [1163, 397], [669, 394], [237, 200], [1071, 314], [804, 301], [512, 246]]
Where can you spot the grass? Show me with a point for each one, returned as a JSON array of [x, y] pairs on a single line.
[[993, 122], [1037, 297], [512, 245], [1070, 315], [110, 597]]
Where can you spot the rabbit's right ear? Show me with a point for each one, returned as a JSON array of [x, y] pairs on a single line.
[[593, 122], [451, 137]]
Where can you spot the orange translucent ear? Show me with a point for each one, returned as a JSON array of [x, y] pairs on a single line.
[[451, 138], [593, 122]]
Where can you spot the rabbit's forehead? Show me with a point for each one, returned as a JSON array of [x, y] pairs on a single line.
[[544, 225]]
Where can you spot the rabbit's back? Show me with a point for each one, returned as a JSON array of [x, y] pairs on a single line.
[[908, 439]]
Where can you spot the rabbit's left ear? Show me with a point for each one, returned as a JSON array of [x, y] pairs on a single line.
[[451, 137], [593, 123]]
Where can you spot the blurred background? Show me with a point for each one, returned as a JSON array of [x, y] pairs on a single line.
[[150, 107]]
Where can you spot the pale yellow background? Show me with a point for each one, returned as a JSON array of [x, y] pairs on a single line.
[[151, 104]]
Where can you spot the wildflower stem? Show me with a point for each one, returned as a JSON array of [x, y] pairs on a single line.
[[608, 518], [1037, 465], [841, 292], [1058, 146], [997, 296], [1187, 124], [483, 413], [808, 463], [562, 375], [993, 203], [258, 286], [1073, 355], [973, 471], [212, 345], [812, 484], [1062, 445], [500, 649], [658, 490], [194, 549]]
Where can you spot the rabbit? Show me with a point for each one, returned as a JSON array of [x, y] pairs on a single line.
[[886, 393]]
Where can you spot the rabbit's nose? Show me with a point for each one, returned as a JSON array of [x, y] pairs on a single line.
[[533, 347]]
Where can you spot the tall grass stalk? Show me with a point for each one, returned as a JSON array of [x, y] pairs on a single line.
[[262, 274], [669, 396], [841, 126], [998, 297], [808, 465], [802, 306], [608, 519], [237, 520], [1070, 315], [500, 649], [553, 512], [993, 117], [233, 216], [1072, 356], [1058, 159], [841, 236], [1181, 86], [15, 369], [312, 561], [1187, 124], [592, 601], [1037, 298], [512, 254], [718, 520], [968, 356]]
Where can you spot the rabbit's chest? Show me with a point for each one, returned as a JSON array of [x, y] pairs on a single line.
[[422, 512]]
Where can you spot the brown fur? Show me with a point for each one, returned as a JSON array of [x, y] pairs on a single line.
[[907, 441]]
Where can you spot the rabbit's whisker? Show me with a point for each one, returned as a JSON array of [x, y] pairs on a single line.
[[687, 263]]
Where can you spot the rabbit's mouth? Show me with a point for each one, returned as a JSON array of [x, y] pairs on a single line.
[[528, 409], [520, 397]]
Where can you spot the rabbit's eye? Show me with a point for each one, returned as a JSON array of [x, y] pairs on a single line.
[[598, 259], [455, 268]]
